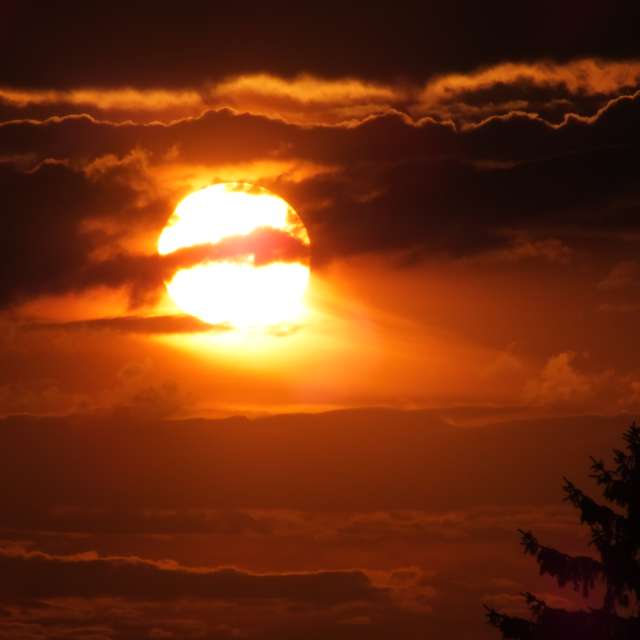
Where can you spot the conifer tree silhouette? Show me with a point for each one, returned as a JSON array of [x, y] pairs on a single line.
[[615, 535]]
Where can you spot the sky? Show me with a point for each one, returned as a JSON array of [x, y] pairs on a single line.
[[468, 179]]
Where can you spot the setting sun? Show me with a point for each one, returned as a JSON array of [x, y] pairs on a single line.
[[305, 310], [257, 270]]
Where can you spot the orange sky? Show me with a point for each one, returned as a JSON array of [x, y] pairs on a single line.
[[468, 181]]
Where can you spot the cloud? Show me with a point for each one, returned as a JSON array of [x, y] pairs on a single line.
[[362, 528], [622, 275], [153, 402], [35, 575], [568, 379], [559, 381], [265, 244], [392, 599], [523, 248], [538, 86], [306, 98], [41, 396], [126, 98], [150, 325], [43, 246], [307, 89]]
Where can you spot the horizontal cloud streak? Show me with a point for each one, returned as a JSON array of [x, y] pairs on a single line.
[[152, 325], [306, 89], [586, 76], [104, 99], [33, 574]]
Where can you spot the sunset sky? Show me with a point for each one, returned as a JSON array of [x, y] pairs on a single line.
[[430, 318]]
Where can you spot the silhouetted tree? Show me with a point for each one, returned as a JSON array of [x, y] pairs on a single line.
[[615, 534]]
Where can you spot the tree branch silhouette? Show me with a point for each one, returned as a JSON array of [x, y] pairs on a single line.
[[616, 537]]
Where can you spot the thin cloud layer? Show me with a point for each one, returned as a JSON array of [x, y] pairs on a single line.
[[34, 575], [104, 99], [152, 325]]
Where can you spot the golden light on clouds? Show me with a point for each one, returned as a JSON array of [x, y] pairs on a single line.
[[257, 270], [587, 76], [106, 99], [307, 89]]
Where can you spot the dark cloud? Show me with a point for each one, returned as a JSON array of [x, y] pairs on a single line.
[[43, 245], [35, 575], [223, 136], [265, 244], [48, 247], [400, 603], [214, 138]]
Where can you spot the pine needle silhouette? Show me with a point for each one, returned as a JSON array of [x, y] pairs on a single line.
[[615, 535]]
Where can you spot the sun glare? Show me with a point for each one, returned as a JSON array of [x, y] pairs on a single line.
[[233, 288]]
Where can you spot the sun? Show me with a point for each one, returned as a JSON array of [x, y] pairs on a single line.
[[241, 255]]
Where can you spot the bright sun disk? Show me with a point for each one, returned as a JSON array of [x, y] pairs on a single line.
[[234, 290]]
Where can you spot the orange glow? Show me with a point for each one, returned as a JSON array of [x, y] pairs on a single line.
[[122, 98], [587, 75], [235, 290]]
